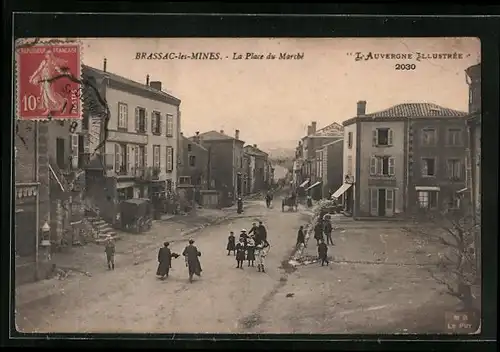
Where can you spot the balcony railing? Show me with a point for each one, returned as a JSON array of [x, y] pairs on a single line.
[[147, 173]]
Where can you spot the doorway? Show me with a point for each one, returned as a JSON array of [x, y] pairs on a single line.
[[60, 155], [381, 202]]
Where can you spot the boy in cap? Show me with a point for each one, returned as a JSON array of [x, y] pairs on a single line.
[[110, 252]]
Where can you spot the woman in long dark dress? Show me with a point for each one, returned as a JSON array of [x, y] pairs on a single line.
[[240, 253], [251, 251], [165, 261], [231, 244], [191, 253]]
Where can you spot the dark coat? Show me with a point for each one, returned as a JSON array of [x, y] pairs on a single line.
[[245, 238], [165, 261], [231, 243], [301, 237], [191, 253], [328, 227], [110, 249], [262, 233], [322, 250], [318, 231], [254, 230], [250, 252], [240, 251]]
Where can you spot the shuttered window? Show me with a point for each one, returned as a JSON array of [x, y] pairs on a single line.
[[170, 159]]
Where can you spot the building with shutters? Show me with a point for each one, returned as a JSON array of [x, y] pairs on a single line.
[[139, 157], [256, 171], [384, 158], [330, 167]]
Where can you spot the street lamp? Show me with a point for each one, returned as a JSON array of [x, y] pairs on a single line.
[[46, 240]]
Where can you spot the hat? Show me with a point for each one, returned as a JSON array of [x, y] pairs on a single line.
[[243, 230], [191, 241], [166, 244]]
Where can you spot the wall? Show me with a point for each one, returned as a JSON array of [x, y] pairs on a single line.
[[221, 154], [442, 152], [334, 164], [114, 96], [397, 150], [201, 161]]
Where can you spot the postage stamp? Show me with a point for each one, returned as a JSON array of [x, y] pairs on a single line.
[[48, 75], [313, 185]]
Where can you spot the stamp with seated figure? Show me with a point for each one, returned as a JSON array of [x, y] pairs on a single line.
[[48, 77]]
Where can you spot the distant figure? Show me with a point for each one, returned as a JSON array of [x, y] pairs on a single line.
[[240, 253], [261, 252], [269, 198], [231, 244], [110, 252], [301, 237], [309, 201], [251, 252], [323, 252], [328, 231], [239, 205], [318, 232], [165, 261], [191, 254]]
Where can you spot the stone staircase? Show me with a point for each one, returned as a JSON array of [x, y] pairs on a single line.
[[103, 229]]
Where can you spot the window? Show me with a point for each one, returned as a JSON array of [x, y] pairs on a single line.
[[140, 157], [156, 122], [428, 167], [122, 116], [383, 137], [185, 180], [140, 120], [428, 136], [192, 160], [190, 147], [120, 158], [382, 166], [427, 199], [156, 156], [170, 159], [454, 169], [170, 125], [349, 140], [349, 165], [454, 137]]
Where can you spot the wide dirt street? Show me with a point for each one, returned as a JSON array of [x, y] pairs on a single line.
[[377, 283], [132, 299]]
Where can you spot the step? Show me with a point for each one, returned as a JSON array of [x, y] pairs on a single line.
[[104, 235], [103, 240]]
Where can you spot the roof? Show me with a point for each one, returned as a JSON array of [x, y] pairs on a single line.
[[340, 140], [333, 129], [193, 142], [130, 82], [215, 136], [423, 110], [254, 150]]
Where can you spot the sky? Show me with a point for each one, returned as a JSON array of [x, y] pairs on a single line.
[[271, 102]]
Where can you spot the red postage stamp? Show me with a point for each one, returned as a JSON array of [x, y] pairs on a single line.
[[48, 81]]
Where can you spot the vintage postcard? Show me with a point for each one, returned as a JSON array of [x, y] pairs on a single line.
[[247, 185]]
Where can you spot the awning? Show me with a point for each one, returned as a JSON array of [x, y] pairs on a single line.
[[427, 188], [303, 184], [463, 190], [341, 190], [314, 185]]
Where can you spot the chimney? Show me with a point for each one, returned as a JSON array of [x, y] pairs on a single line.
[[237, 134], [313, 127], [182, 134], [147, 80], [155, 85], [309, 127], [104, 65], [221, 131], [255, 145], [196, 138], [361, 110]]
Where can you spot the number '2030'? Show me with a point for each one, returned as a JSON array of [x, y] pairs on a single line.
[[405, 67]]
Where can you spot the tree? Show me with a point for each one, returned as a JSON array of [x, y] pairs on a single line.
[[457, 230]]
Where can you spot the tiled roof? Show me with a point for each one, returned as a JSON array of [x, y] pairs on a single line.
[[214, 136], [129, 82], [417, 110], [255, 150], [189, 140], [333, 129]]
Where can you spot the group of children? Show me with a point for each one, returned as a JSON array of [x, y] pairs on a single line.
[[250, 247]]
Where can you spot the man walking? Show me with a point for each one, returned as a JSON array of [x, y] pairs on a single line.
[[328, 231], [191, 254], [301, 238], [318, 232], [165, 261], [110, 252], [323, 252]]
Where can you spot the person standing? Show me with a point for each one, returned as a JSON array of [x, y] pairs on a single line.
[[261, 252], [323, 252], [191, 253], [328, 231], [251, 251], [231, 244], [318, 232], [240, 253], [301, 238], [254, 230], [110, 252], [262, 232], [165, 261], [244, 236]]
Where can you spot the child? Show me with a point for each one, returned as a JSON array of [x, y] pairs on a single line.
[[251, 251], [231, 244], [240, 253], [261, 251], [110, 252], [323, 252]]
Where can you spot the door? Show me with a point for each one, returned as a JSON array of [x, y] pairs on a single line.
[[81, 152], [381, 202], [60, 155]]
